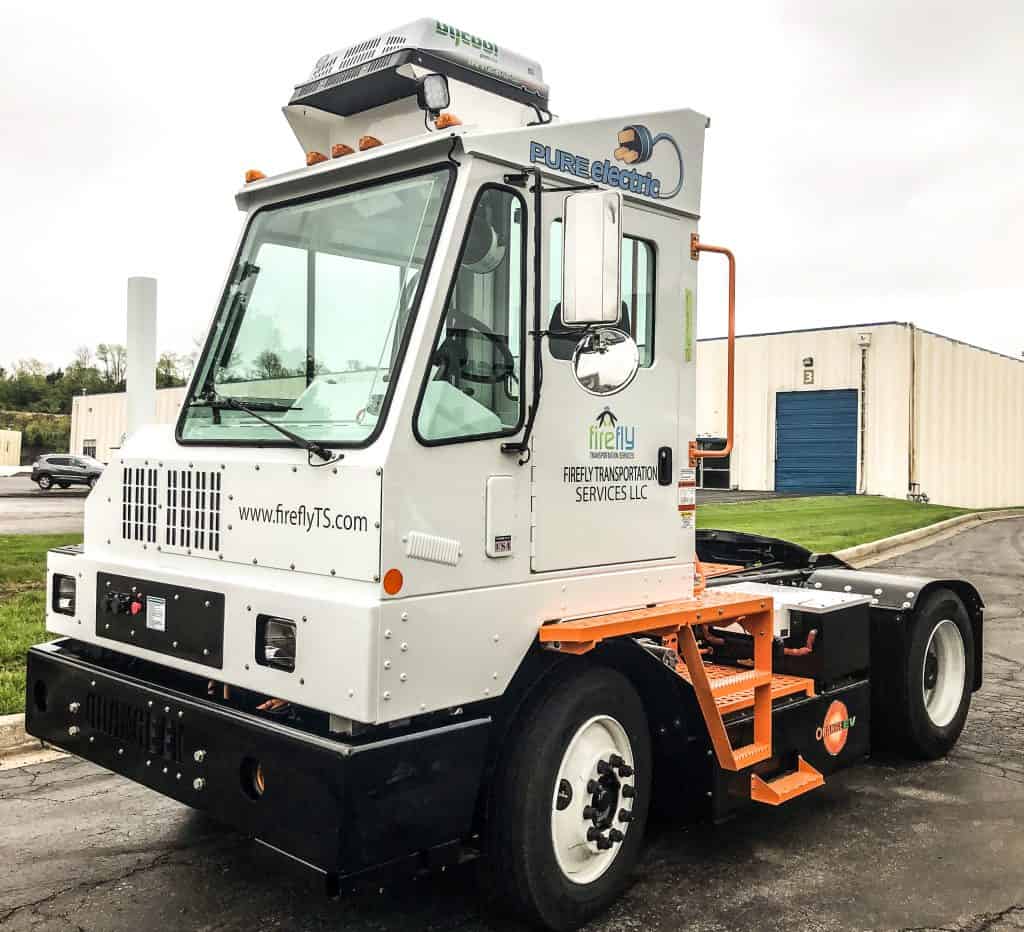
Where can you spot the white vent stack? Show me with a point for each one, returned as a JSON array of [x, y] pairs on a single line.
[[141, 361]]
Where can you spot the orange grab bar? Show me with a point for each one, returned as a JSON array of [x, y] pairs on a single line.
[[696, 248]]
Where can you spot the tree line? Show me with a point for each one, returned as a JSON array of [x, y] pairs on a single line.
[[30, 385]]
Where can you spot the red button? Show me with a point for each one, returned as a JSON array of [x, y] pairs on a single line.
[[135, 608]]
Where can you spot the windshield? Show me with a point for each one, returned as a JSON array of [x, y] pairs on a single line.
[[311, 326]]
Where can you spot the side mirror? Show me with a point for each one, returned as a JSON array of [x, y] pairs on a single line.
[[591, 257]]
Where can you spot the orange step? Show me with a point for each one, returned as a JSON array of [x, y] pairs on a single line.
[[739, 682], [782, 789], [782, 685]]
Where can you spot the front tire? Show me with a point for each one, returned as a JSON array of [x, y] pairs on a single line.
[[45, 483], [938, 675], [570, 797]]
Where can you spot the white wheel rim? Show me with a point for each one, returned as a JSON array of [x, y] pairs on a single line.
[[601, 739], [945, 669]]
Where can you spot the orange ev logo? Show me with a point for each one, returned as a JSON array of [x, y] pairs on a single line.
[[835, 729]]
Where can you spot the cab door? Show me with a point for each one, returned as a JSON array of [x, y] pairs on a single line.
[[605, 468]]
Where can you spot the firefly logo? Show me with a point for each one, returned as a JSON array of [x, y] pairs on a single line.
[[836, 728], [608, 439]]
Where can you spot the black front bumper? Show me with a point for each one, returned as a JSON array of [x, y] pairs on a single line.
[[343, 808]]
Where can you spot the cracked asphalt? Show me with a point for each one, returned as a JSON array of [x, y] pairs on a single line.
[[889, 845]]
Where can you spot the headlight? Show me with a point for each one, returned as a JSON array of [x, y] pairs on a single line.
[[63, 594], [275, 642]]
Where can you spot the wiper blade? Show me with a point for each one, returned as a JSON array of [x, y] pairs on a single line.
[[219, 403], [310, 446]]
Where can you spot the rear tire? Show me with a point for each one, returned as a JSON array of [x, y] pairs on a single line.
[[937, 676], [581, 743], [45, 483]]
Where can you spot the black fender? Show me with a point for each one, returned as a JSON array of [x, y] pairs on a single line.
[[894, 599]]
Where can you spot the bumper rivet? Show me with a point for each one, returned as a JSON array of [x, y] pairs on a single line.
[[120, 752], [199, 756], [74, 707], [73, 730], [198, 783]]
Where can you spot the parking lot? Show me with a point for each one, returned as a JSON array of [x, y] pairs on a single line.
[[889, 845], [26, 509]]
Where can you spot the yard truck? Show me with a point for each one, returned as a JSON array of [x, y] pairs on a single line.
[[415, 576]]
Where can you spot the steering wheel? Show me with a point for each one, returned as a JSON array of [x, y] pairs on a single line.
[[452, 356]]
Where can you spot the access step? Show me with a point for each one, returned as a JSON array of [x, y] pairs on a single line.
[[737, 694], [782, 789]]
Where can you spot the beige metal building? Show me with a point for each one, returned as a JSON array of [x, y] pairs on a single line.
[[99, 422], [884, 409], [10, 447]]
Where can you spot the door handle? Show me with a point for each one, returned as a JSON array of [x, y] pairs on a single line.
[[664, 465]]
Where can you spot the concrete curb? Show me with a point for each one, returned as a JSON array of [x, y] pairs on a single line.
[[877, 550], [13, 738]]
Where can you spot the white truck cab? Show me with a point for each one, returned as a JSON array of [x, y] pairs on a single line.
[[432, 490]]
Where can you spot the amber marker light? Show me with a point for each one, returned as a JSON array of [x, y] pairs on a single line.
[[254, 174], [315, 158], [445, 120], [393, 581], [368, 142], [339, 149]]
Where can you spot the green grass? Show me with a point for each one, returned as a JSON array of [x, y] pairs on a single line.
[[22, 607], [825, 523]]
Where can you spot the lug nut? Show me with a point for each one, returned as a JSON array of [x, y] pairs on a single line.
[[594, 834], [625, 770], [628, 792], [593, 787], [603, 767], [615, 760], [615, 835], [625, 815], [603, 844], [588, 812]]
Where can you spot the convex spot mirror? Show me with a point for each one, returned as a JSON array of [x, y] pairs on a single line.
[[605, 361], [592, 254]]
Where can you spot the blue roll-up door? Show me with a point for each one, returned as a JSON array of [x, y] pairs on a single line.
[[816, 441]]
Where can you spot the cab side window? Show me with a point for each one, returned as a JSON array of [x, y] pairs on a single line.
[[636, 288], [472, 389]]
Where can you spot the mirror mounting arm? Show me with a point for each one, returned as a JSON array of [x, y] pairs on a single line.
[[696, 248]]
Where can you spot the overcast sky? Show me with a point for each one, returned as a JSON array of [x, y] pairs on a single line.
[[865, 163]]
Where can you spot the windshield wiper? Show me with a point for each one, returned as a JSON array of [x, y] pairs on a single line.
[[218, 403]]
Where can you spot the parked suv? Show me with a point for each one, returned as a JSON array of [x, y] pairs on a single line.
[[63, 470]]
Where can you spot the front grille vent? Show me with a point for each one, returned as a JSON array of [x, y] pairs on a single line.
[[138, 504], [146, 728], [193, 509]]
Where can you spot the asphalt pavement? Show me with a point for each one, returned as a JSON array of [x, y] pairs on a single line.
[[27, 509], [888, 845]]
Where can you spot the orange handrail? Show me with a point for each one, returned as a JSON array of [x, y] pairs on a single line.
[[696, 248]]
